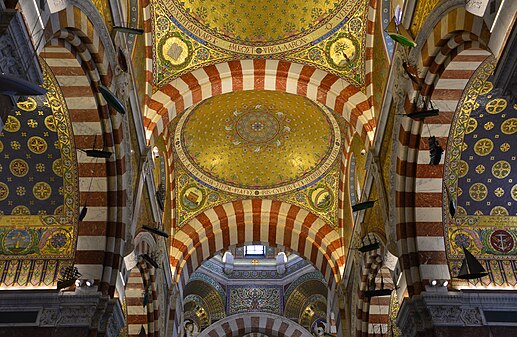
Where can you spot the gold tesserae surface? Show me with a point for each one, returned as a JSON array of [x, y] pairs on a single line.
[[257, 140]]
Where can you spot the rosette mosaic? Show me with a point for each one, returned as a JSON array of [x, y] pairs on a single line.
[[257, 143], [482, 181], [39, 190]]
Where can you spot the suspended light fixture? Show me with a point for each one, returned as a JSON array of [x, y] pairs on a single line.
[[150, 260], [371, 245], [155, 231], [435, 151], [128, 30], [470, 268], [399, 34], [15, 86], [363, 205]]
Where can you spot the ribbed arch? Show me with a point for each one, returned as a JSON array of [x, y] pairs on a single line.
[[317, 85]]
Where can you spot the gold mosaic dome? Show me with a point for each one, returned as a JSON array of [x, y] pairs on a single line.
[[267, 22], [257, 142]]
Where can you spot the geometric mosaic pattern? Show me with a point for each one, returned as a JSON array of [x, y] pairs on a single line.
[[480, 178], [487, 183], [39, 167]]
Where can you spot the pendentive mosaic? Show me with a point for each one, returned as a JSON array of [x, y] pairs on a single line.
[[330, 35], [481, 182]]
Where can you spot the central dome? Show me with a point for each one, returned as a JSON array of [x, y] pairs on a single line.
[[257, 142], [252, 22]]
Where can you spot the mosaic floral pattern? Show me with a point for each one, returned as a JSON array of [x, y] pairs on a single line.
[[36, 157], [255, 298], [38, 225]]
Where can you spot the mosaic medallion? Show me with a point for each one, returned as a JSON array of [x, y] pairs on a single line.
[[509, 126], [342, 51], [12, 124], [321, 198], [4, 191], [19, 167], [502, 241], [192, 197], [257, 142], [175, 50], [37, 144]]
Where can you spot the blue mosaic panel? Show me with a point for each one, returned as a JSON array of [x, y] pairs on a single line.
[[487, 180]]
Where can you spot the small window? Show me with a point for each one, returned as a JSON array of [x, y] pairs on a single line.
[[254, 251]]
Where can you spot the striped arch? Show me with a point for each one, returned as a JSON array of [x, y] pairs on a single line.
[[450, 48], [78, 58], [373, 313], [267, 221], [141, 292], [259, 74], [255, 324]]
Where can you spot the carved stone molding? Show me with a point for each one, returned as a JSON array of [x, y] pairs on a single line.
[[435, 309], [17, 56], [82, 308]]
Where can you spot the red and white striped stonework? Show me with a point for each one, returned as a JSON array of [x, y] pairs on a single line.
[[259, 74], [76, 55], [373, 313], [446, 57], [245, 221], [141, 281], [255, 324]]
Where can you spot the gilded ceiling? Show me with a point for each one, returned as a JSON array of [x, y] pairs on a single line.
[[330, 35], [258, 23], [257, 143]]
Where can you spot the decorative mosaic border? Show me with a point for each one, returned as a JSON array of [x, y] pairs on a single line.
[[316, 174], [197, 31]]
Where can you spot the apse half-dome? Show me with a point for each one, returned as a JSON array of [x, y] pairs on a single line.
[[257, 143]]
